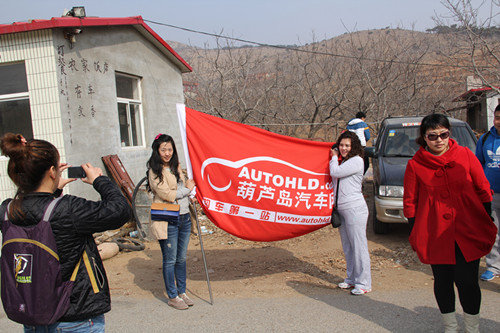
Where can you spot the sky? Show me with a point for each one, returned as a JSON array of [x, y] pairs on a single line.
[[282, 22]]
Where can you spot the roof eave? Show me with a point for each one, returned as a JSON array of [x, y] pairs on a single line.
[[72, 22], [477, 92], [153, 37]]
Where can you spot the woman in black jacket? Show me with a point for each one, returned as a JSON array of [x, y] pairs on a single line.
[[35, 169]]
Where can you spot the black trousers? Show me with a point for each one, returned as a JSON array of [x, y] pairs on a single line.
[[465, 276]]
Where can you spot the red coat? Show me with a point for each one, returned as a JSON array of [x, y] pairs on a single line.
[[445, 195]]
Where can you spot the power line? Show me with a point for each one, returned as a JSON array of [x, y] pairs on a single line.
[[277, 124], [308, 51]]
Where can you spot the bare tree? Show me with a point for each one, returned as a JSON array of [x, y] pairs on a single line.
[[233, 83], [391, 74], [317, 86], [477, 44]]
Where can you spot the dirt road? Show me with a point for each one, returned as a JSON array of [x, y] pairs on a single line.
[[243, 269]]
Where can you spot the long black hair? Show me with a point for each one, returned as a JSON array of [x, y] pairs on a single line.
[[155, 163], [432, 121]]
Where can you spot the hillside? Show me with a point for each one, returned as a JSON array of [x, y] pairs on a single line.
[[435, 41], [324, 83]]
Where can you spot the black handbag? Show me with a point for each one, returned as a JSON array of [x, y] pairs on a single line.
[[336, 219]]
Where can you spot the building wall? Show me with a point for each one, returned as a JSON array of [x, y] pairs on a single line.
[[36, 49], [73, 95], [490, 104], [89, 102]]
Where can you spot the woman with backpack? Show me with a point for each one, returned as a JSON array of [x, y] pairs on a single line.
[[34, 167], [167, 182], [447, 201]]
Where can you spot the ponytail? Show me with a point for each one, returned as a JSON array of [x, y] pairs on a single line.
[[28, 163]]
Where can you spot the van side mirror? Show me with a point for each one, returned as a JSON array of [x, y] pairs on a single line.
[[370, 152]]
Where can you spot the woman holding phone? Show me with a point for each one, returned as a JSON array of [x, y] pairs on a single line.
[[167, 182], [34, 167]]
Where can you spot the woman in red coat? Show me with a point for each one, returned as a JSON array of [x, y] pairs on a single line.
[[447, 200]]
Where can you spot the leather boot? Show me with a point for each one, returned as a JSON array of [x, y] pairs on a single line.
[[450, 322], [471, 323]]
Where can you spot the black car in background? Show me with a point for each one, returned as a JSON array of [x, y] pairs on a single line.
[[393, 148]]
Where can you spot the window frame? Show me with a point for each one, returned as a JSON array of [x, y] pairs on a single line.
[[15, 97], [129, 101]]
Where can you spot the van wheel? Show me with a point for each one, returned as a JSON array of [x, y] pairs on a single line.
[[379, 228]]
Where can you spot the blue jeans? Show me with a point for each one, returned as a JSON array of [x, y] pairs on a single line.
[[174, 251], [92, 325]]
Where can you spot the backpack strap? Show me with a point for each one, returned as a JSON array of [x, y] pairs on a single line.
[[486, 135], [50, 209], [6, 215]]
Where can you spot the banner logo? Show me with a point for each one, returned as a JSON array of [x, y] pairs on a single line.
[[277, 180]]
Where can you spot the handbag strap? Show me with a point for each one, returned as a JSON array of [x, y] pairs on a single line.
[[337, 193]]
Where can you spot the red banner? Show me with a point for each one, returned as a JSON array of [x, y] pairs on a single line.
[[255, 184]]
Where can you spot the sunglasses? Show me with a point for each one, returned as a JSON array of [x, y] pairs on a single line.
[[434, 137]]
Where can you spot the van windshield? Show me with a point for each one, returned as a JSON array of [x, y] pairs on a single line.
[[401, 141]]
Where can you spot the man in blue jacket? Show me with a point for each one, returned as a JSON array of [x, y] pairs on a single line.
[[358, 126], [488, 153]]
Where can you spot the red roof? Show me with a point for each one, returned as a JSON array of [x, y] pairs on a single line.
[[75, 22], [472, 92]]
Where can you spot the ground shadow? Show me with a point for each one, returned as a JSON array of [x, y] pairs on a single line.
[[152, 282], [234, 264], [231, 264], [387, 315]]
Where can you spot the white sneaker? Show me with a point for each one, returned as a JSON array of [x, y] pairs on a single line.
[[345, 285], [359, 291]]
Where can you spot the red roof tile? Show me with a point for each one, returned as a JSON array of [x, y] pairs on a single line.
[[75, 22], [466, 95]]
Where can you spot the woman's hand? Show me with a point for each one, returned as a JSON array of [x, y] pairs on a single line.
[[64, 181], [92, 173], [334, 152], [190, 184]]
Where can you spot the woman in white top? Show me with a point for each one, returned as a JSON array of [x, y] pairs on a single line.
[[348, 176], [166, 181]]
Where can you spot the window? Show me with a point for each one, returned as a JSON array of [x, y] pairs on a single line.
[[401, 142], [128, 92], [15, 114]]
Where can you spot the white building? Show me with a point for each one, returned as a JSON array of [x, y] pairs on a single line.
[[92, 87]]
